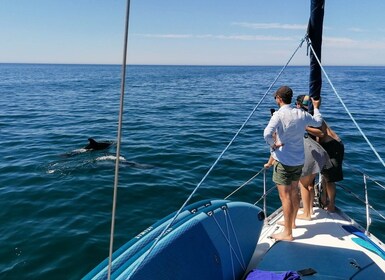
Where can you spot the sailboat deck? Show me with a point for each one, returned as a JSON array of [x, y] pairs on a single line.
[[321, 244]]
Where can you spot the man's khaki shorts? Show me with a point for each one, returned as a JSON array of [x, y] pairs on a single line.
[[285, 175]]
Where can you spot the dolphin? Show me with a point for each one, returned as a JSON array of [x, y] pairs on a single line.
[[96, 146], [92, 146]]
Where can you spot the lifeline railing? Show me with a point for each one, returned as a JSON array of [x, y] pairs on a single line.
[[227, 147], [219, 157], [364, 200]]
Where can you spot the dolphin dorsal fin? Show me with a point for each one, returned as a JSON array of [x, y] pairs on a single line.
[[92, 145]]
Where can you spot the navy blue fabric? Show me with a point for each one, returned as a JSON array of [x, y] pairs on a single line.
[[315, 34]]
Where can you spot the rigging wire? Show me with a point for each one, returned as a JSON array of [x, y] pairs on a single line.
[[343, 104], [238, 132], [221, 155], [244, 184], [252, 178], [124, 63], [119, 136], [361, 200], [367, 176], [226, 235]]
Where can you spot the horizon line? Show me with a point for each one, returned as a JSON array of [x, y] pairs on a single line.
[[198, 65]]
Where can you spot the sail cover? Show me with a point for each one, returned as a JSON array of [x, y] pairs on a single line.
[[315, 34]]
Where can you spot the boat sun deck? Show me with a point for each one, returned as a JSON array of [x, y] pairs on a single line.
[[321, 244]]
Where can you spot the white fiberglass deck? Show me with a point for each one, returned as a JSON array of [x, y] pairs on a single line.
[[321, 244]]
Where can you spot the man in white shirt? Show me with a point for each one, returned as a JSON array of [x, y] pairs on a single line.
[[289, 126]]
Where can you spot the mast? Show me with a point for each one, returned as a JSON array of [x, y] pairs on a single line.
[[314, 32]]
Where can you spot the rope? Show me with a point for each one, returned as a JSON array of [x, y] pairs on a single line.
[[118, 144], [240, 129], [228, 241], [244, 184], [228, 234], [266, 194], [221, 154], [236, 238], [343, 104]]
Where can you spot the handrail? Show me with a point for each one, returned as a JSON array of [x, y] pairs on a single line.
[[367, 205], [366, 175], [364, 201], [264, 191]]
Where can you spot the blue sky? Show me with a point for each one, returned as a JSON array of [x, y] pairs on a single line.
[[197, 32]]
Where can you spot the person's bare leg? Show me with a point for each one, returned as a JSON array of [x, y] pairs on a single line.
[[324, 191], [282, 223], [294, 197], [331, 190], [307, 194], [312, 194], [295, 201], [287, 206]]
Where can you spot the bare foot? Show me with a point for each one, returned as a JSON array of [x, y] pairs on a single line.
[[282, 236], [324, 204], [331, 209], [304, 217], [282, 223]]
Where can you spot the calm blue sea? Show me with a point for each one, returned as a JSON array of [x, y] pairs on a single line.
[[56, 209]]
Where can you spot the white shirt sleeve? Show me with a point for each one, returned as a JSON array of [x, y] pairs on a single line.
[[270, 129]]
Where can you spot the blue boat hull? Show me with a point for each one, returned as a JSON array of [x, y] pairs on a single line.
[[209, 240]]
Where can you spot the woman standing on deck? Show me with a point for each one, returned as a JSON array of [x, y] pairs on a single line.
[[316, 160], [335, 149]]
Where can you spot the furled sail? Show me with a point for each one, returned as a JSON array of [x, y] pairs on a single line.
[[315, 35]]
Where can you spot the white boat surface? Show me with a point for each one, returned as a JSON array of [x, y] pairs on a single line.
[[321, 244]]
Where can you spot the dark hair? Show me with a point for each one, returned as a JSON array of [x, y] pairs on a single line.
[[285, 93], [303, 101], [286, 100]]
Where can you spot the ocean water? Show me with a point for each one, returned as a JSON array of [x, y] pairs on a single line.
[[56, 205]]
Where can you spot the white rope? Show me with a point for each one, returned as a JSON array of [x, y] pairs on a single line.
[[228, 234], [118, 143], [346, 108], [221, 155], [236, 237], [242, 264], [266, 194], [239, 130], [244, 184]]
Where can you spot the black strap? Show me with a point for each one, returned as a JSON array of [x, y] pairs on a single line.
[[306, 272]]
